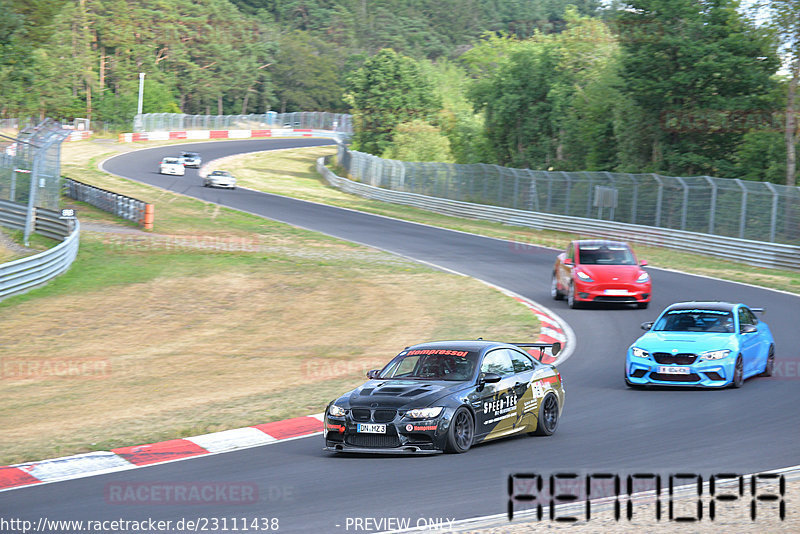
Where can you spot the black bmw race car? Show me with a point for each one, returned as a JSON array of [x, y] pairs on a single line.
[[445, 396]]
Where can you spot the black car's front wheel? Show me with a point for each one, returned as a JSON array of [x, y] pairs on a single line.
[[548, 416], [461, 432]]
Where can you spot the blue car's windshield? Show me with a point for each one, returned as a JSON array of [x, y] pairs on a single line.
[[432, 364], [695, 321]]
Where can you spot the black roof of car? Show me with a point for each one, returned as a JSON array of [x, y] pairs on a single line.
[[478, 345]]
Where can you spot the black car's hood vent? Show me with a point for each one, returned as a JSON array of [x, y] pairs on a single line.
[[394, 392]]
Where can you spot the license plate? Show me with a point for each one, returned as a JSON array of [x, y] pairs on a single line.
[[370, 428], [674, 370], [616, 292]]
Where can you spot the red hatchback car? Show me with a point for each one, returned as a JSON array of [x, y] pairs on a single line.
[[600, 271]]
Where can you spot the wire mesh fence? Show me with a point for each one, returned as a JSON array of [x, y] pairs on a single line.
[[157, 122], [759, 211], [30, 165]]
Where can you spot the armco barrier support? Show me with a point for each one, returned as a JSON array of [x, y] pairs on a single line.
[[21, 275], [123, 206]]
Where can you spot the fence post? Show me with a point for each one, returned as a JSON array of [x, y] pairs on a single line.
[[685, 201], [773, 221], [713, 211], [659, 198], [743, 212]]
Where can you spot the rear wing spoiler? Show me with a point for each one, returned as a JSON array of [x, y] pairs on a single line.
[[759, 310], [555, 348]]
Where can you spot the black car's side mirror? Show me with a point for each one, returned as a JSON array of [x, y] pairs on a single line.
[[375, 373], [647, 325], [488, 378], [492, 378]]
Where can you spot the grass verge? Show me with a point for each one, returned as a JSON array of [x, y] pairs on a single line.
[[218, 320]]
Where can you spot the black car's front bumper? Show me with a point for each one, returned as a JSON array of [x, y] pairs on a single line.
[[402, 436]]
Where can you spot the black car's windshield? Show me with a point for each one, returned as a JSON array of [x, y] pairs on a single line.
[[432, 364], [606, 255], [696, 321]]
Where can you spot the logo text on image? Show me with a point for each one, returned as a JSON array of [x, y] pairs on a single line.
[[187, 493], [786, 369], [720, 121], [759, 496], [54, 368]]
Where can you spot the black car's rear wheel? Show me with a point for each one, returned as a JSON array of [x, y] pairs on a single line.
[[548, 416], [461, 432]]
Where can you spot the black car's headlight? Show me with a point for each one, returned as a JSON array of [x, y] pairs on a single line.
[[424, 413], [336, 411]]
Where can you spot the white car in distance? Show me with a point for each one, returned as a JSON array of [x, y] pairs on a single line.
[[173, 166]]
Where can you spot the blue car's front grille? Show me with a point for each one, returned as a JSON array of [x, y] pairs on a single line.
[[675, 378], [667, 358]]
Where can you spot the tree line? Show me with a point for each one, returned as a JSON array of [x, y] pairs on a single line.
[[681, 87]]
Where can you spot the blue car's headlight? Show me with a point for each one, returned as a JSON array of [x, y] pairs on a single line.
[[336, 411], [583, 276], [424, 413], [640, 353], [715, 354], [644, 277]]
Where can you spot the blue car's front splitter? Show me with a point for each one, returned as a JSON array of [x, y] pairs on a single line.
[[706, 374]]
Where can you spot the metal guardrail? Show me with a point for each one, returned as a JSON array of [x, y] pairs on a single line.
[[123, 206], [21, 275], [758, 253], [743, 209]]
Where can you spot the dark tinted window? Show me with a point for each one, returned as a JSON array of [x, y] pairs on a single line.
[[521, 362], [432, 364], [499, 362], [695, 320], [606, 255]]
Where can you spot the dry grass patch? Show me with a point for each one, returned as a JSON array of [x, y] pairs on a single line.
[[182, 355]]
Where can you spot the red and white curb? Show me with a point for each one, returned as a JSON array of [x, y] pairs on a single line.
[[100, 462]]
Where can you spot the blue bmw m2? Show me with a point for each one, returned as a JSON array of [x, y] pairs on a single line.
[[706, 344]]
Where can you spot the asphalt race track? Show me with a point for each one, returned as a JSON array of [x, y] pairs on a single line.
[[605, 426]]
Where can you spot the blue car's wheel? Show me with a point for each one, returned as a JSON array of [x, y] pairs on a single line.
[[738, 373], [770, 366]]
